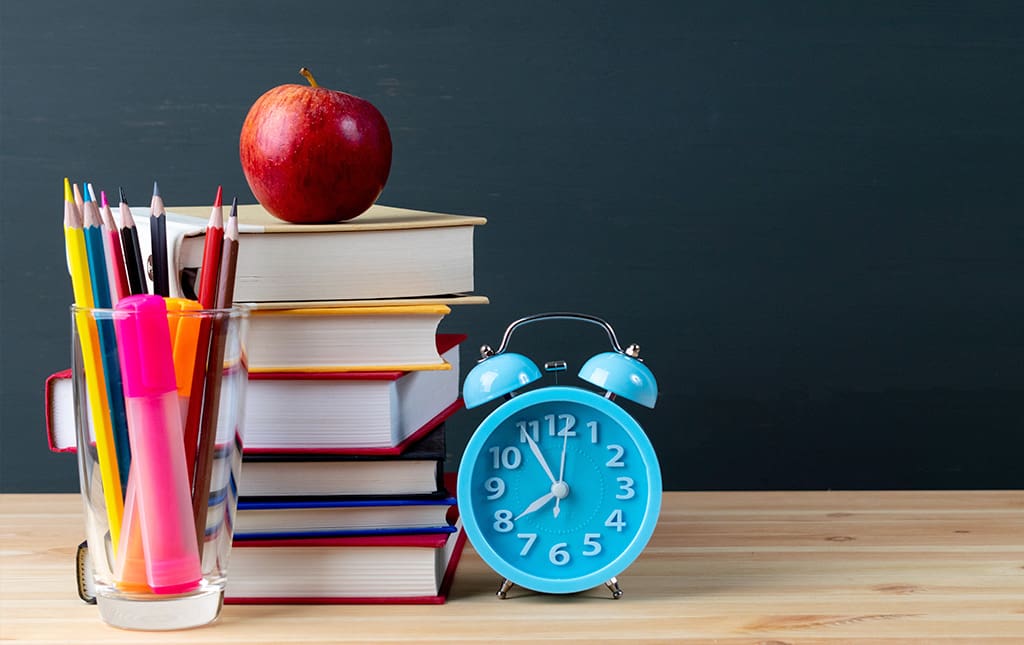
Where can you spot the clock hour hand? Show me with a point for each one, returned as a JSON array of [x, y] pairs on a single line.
[[536, 505], [535, 449]]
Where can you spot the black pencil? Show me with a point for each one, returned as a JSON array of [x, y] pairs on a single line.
[[132, 251], [158, 238]]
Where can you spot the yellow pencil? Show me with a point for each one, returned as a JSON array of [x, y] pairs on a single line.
[[95, 387]]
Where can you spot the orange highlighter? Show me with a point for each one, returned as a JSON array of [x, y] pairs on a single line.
[[184, 329]]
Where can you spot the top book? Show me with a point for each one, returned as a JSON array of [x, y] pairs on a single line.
[[386, 252]]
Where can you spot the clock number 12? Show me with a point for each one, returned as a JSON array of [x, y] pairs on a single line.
[[560, 425]]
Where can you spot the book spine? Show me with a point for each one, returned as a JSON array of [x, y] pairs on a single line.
[[50, 400]]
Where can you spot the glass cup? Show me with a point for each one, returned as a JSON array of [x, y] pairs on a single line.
[[159, 391]]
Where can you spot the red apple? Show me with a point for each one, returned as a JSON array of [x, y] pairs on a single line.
[[313, 155]]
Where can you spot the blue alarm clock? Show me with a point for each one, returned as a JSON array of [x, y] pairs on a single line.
[[559, 488]]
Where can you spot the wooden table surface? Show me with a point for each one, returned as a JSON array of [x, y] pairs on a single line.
[[744, 567]]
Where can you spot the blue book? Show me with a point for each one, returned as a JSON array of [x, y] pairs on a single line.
[[296, 517]]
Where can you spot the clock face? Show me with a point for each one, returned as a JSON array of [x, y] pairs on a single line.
[[559, 490]]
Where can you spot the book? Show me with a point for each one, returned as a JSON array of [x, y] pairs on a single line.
[[60, 412], [403, 569], [284, 517], [345, 338], [370, 413], [338, 411], [386, 252], [381, 569], [416, 471]]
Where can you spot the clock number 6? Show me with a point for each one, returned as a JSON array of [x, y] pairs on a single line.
[[558, 555]]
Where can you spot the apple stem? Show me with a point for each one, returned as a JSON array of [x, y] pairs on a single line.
[[309, 76]]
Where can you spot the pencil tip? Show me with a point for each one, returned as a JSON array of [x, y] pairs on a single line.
[[68, 195], [156, 189], [120, 193], [234, 207], [86, 193], [103, 199], [218, 199]]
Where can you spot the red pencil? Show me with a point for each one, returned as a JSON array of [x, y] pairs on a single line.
[[210, 267], [208, 273], [119, 287], [224, 299]]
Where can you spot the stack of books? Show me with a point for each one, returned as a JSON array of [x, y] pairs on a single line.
[[342, 494]]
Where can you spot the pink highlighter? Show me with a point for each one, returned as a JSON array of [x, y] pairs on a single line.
[[162, 496]]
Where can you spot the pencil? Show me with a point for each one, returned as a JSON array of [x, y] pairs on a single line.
[[158, 238], [115, 257], [98, 271], [214, 374], [134, 265], [210, 267], [95, 385], [208, 272]]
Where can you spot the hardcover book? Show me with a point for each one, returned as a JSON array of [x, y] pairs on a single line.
[[295, 517], [382, 569], [386, 252], [416, 471], [370, 413], [345, 339], [387, 569]]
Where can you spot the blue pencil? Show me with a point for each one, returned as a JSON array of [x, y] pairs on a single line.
[[93, 229]]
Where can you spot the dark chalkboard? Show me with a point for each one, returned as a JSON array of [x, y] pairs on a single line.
[[809, 214]]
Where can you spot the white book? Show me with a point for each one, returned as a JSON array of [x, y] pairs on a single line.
[[315, 412], [386, 252]]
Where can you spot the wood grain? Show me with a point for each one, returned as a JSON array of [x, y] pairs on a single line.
[[775, 567]]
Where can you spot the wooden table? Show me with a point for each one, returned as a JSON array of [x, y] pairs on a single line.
[[774, 567]]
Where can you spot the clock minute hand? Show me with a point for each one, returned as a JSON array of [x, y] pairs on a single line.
[[561, 472], [535, 449], [537, 503]]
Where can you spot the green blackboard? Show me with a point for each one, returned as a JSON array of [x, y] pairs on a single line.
[[808, 214]]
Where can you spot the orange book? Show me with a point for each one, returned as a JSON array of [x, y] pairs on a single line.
[[333, 338]]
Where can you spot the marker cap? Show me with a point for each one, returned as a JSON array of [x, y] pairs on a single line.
[[147, 365]]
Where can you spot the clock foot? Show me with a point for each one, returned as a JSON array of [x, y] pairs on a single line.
[[613, 586], [505, 586]]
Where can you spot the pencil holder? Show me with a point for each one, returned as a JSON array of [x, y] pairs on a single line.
[[159, 388]]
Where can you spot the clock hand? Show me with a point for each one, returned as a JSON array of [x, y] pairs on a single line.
[[535, 449], [565, 444], [561, 472], [537, 503]]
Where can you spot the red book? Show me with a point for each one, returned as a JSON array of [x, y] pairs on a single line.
[[369, 413], [382, 569], [385, 569]]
